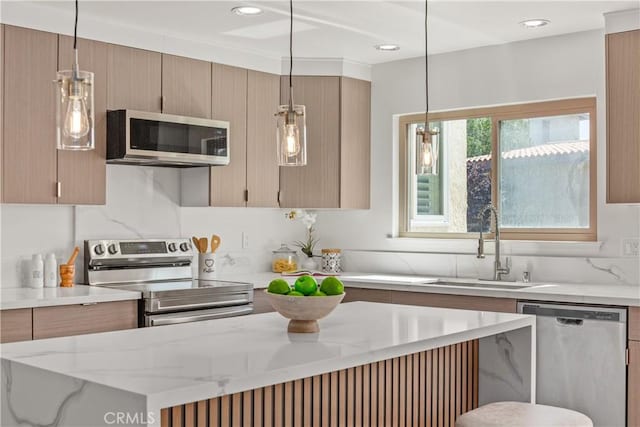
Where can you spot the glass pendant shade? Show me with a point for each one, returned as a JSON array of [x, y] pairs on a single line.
[[292, 136], [75, 110], [427, 151]]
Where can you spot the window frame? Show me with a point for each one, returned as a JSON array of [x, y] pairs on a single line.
[[498, 114]]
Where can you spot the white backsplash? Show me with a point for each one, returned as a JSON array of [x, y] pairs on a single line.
[[541, 268]]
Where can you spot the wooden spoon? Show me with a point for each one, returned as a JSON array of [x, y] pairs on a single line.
[[215, 242], [196, 243], [74, 255], [204, 244]]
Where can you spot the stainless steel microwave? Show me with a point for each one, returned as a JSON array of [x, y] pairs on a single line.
[[155, 139]]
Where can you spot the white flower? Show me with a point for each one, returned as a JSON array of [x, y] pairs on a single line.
[[308, 219]]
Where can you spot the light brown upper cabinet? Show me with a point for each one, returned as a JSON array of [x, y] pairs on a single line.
[[338, 144], [186, 86], [82, 174], [229, 103], [623, 117], [134, 79], [29, 150], [32, 167], [263, 173]]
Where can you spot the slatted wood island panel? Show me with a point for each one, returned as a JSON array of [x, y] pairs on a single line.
[[430, 388]]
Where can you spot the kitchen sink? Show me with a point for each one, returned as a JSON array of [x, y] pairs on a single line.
[[483, 284]]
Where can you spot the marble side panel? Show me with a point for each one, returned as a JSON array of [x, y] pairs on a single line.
[[505, 367], [38, 397]]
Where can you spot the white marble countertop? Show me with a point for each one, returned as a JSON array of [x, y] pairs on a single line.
[[611, 294], [11, 298], [176, 364]]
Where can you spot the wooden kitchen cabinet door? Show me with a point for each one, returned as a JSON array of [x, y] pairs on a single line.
[[82, 174], [623, 117], [633, 385], [67, 320], [263, 172], [229, 103], [29, 140], [134, 79], [186, 86], [316, 185], [15, 325], [355, 143]]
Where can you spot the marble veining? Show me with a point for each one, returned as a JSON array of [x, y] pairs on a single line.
[[25, 418], [611, 269]]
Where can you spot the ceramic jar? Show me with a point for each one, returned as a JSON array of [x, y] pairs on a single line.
[[331, 260]]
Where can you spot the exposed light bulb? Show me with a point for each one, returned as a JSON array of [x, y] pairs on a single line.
[[427, 155], [292, 140], [76, 121]]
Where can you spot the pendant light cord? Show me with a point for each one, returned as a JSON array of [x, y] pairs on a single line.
[[290, 51], [426, 65], [75, 27]]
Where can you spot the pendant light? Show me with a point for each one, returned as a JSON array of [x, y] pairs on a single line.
[[74, 104], [427, 139], [292, 132]]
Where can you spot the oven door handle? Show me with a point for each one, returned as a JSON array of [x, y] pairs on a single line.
[[243, 300], [176, 318]]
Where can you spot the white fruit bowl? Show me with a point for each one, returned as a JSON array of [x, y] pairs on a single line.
[[304, 312]]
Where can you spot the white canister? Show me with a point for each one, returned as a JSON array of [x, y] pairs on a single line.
[[332, 261], [50, 271], [36, 276], [207, 266]]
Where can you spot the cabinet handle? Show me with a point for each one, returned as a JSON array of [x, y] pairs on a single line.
[[58, 189], [162, 102], [89, 303]]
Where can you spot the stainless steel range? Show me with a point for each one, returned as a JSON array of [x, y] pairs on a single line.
[[161, 270]]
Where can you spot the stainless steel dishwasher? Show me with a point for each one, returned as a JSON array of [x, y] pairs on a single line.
[[581, 359]]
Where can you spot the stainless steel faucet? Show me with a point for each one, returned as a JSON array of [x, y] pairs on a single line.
[[498, 269]]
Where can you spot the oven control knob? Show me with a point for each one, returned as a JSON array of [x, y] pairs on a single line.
[[172, 247], [98, 249], [184, 246], [113, 249]]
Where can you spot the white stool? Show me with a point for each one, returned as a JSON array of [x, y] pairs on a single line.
[[512, 414]]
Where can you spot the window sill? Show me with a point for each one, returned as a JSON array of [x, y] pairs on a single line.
[[469, 245]]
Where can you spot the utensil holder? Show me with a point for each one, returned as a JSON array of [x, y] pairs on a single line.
[[207, 266], [67, 273]]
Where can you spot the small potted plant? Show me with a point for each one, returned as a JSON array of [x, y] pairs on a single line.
[[306, 246]]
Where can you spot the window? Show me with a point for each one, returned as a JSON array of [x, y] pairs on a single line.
[[543, 181]]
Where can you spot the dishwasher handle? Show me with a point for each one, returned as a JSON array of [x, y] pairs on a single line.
[[573, 312], [565, 321]]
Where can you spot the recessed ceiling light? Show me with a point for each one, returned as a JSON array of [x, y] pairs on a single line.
[[535, 23], [387, 47], [246, 10]]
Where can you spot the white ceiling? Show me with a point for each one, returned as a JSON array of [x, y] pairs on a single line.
[[350, 29]]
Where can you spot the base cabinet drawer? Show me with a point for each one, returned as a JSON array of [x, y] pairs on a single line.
[[464, 302], [368, 295], [15, 325], [60, 321]]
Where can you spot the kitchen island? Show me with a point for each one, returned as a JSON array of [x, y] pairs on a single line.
[[370, 364]]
